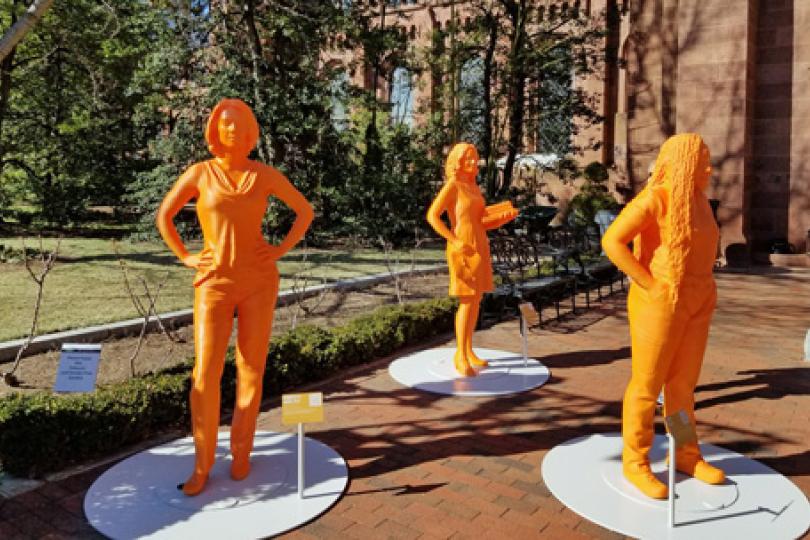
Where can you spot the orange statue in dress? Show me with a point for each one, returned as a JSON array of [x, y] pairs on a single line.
[[236, 272], [670, 303], [467, 245]]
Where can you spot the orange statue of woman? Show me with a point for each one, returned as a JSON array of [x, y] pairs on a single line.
[[467, 245], [670, 303], [236, 272]]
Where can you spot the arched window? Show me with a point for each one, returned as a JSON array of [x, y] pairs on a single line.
[[340, 101], [471, 101], [402, 97], [555, 103]]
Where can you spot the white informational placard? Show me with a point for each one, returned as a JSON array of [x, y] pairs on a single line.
[[78, 367]]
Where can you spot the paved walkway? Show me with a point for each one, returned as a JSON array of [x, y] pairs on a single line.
[[427, 466]]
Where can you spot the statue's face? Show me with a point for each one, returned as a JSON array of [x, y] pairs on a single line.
[[230, 129], [469, 163], [704, 170]]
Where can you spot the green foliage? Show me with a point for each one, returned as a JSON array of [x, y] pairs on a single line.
[[593, 196], [67, 131], [43, 432]]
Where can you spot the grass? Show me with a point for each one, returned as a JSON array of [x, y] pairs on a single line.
[[86, 285]]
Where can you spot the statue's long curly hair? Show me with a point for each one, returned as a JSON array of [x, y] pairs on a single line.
[[453, 163], [680, 165]]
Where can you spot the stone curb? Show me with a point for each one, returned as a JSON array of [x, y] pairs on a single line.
[[45, 342]]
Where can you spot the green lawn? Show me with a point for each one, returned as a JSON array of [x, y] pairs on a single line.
[[86, 286]]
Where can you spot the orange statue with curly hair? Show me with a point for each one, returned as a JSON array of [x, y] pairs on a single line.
[[468, 255], [236, 272], [670, 303]]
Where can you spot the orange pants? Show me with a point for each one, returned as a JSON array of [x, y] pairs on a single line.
[[214, 304], [668, 347]]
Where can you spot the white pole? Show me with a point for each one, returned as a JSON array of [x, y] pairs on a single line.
[[525, 337], [671, 480], [300, 461]]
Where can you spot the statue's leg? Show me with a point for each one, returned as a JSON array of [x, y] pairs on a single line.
[[679, 388], [213, 321], [464, 330], [475, 309], [655, 330], [255, 325]]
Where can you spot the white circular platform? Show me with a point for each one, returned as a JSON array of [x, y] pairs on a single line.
[[138, 497], [432, 370], [756, 502]]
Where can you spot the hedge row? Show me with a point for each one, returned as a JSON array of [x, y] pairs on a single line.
[[44, 432]]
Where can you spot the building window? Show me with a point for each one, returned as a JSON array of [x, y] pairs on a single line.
[[402, 97], [340, 101], [471, 101], [555, 96]]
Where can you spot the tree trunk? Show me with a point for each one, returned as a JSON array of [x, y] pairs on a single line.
[[256, 55], [24, 25], [487, 152], [517, 92], [6, 66]]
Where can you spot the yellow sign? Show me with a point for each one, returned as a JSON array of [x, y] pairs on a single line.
[[301, 408], [529, 314], [681, 428]]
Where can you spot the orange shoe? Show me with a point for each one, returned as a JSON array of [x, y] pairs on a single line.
[[476, 362], [463, 367], [643, 478], [240, 468], [700, 469], [195, 484]]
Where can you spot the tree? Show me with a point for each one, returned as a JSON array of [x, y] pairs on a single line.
[[527, 55], [22, 26], [67, 136]]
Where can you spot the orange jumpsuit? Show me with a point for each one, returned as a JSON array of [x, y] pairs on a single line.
[[670, 303], [667, 343], [237, 274]]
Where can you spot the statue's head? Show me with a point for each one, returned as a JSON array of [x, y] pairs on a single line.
[[462, 163], [683, 164], [231, 128]]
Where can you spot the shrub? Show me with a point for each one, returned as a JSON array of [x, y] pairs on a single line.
[[44, 432]]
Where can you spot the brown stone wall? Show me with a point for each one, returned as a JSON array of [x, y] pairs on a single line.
[[770, 186], [799, 203], [715, 60]]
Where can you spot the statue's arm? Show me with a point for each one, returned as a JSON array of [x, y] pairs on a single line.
[[437, 208], [637, 216], [181, 192], [304, 214]]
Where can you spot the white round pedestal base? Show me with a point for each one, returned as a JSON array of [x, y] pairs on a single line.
[[433, 371], [138, 497], [756, 502]]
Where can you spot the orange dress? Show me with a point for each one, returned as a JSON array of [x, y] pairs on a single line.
[[469, 275]]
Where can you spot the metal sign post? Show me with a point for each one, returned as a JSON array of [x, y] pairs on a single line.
[[298, 409], [671, 505], [528, 316], [301, 468]]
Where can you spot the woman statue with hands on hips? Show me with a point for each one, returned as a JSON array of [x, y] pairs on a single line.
[[670, 303], [236, 273]]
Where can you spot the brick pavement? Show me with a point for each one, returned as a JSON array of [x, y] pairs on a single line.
[[429, 466]]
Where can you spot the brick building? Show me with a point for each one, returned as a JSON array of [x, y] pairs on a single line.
[[735, 71]]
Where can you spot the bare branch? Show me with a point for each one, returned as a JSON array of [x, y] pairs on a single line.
[[47, 265]]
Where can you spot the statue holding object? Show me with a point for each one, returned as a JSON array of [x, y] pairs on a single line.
[[468, 256]]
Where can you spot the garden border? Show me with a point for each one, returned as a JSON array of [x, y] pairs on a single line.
[[46, 342]]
